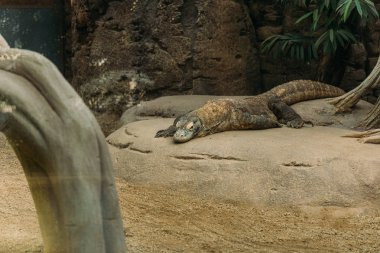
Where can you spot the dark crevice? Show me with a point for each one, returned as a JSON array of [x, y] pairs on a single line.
[[120, 145], [189, 16], [204, 77], [218, 59], [217, 157], [296, 164], [184, 157], [141, 150], [129, 133], [248, 8], [128, 145]]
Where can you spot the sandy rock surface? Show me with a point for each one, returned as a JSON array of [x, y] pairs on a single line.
[[309, 166]]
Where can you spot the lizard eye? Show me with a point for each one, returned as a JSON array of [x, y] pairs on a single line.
[[190, 126]]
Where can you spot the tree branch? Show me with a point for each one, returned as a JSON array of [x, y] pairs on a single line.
[[63, 153]]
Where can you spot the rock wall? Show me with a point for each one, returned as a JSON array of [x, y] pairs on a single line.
[[151, 48], [127, 51]]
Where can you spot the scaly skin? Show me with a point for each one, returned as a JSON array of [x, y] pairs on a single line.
[[267, 110]]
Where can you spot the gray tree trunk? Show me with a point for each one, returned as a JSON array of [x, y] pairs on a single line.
[[64, 156], [348, 100]]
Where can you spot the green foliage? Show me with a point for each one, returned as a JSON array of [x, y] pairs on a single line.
[[364, 8], [295, 46], [331, 39], [332, 26]]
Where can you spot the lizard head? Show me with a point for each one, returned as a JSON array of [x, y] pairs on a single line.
[[187, 129]]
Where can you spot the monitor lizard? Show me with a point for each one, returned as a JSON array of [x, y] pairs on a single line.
[[268, 110]]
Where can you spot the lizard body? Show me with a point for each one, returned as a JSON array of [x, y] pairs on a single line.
[[267, 110]]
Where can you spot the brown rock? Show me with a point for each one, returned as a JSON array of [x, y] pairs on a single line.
[[272, 80], [372, 62], [357, 55], [278, 71], [310, 166], [202, 47], [373, 49], [225, 59], [352, 78]]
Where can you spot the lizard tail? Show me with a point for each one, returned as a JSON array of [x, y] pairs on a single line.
[[302, 90]]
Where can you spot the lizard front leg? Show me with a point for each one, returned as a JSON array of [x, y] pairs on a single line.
[[285, 114], [169, 132]]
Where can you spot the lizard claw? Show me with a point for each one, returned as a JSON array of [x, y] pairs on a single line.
[[166, 132], [295, 123], [308, 122], [160, 133], [298, 123]]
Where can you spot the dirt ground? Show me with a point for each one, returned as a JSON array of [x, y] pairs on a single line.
[[162, 220]]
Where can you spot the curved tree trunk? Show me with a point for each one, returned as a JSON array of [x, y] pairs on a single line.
[[64, 156], [348, 100], [372, 120]]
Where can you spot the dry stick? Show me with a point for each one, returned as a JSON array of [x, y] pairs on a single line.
[[363, 134], [64, 156], [372, 140], [367, 136]]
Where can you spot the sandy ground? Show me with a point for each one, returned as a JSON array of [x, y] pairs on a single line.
[[161, 220]]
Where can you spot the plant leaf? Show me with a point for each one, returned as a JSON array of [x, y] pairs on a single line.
[[304, 17], [359, 8]]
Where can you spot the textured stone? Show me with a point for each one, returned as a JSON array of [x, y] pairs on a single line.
[[272, 80], [357, 55], [352, 78], [181, 46], [278, 71], [372, 63], [310, 166], [373, 49]]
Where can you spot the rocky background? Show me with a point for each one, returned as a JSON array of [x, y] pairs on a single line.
[[127, 51]]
